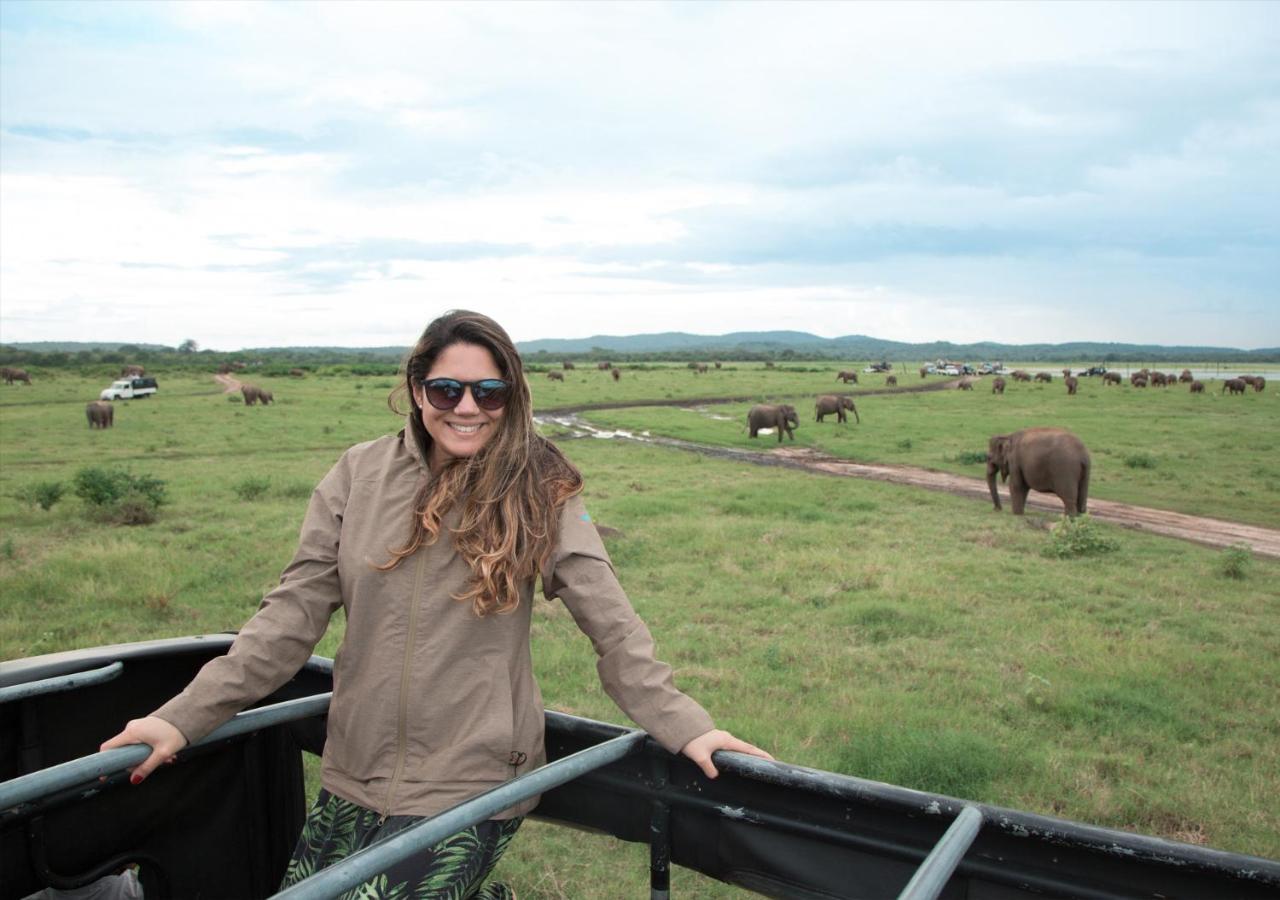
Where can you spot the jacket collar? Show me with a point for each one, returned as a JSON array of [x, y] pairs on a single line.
[[413, 436]]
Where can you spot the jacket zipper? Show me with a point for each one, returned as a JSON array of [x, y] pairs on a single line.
[[401, 724]]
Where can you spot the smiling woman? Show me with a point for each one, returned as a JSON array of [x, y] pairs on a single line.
[[434, 696]]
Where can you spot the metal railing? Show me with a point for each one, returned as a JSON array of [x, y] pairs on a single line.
[[87, 769], [365, 864], [936, 870], [61, 683]]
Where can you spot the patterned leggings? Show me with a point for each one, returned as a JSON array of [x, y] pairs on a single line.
[[455, 868]]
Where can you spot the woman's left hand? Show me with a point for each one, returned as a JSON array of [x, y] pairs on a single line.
[[700, 749]]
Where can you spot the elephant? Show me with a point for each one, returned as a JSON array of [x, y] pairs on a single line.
[[1197, 387], [1072, 383], [555, 376], [924, 371], [297, 373], [1044, 377], [101, 414], [1235, 385], [604, 366], [568, 366], [964, 384], [1020, 375], [615, 373], [1247, 379], [1066, 373], [1158, 379], [1051, 460], [1259, 384], [891, 381], [1110, 378], [12, 375], [846, 377], [700, 369], [1186, 376], [132, 372], [254, 395], [768, 365], [717, 364], [832, 403], [1138, 380], [997, 386], [780, 418]]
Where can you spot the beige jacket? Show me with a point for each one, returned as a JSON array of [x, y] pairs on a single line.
[[431, 704]]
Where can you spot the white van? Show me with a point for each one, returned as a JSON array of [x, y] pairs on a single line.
[[129, 389]]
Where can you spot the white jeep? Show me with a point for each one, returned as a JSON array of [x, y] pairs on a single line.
[[129, 389]]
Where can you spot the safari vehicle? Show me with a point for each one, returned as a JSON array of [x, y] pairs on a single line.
[[129, 389], [222, 821], [879, 367]]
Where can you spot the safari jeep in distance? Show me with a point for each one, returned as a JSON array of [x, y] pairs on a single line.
[[129, 389]]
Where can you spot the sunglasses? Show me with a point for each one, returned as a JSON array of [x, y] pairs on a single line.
[[446, 393]]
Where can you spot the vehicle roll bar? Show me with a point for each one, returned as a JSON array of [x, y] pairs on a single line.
[[61, 683]]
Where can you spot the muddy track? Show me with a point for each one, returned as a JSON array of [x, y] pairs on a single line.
[[1199, 529]]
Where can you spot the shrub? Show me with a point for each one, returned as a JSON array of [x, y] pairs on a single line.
[[43, 494], [1140, 461], [905, 444], [298, 490], [120, 496], [971, 458], [1081, 536], [1236, 561], [251, 488]]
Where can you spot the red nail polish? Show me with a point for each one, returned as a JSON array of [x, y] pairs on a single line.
[[135, 778]]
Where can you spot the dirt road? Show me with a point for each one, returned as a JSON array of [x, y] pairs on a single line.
[[230, 384], [1200, 529]]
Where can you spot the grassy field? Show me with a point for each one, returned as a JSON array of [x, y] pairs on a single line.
[[1207, 454], [845, 625]]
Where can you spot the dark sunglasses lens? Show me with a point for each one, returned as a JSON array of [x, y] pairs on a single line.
[[490, 394], [443, 394]]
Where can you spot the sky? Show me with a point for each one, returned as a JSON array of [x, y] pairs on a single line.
[[275, 174]]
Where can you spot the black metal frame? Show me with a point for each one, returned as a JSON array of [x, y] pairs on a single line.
[[773, 828]]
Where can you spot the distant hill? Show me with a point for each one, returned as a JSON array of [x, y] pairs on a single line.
[[859, 346], [736, 345]]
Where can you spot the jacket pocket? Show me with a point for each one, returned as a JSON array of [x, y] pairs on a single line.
[[466, 732]]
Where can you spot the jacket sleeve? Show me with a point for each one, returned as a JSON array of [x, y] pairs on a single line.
[[581, 575], [278, 640]]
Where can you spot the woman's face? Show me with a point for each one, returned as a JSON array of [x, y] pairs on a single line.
[[466, 428]]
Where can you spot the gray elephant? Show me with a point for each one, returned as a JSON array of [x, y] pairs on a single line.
[[555, 376], [615, 373], [778, 417], [965, 384], [12, 375], [846, 377], [1197, 387], [1051, 460], [1072, 383], [1110, 378], [997, 386], [1045, 377], [253, 394], [100, 414], [568, 366], [891, 381], [832, 403], [1235, 385]]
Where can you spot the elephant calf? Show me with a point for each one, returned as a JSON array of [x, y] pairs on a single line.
[[1197, 387], [780, 418], [1235, 385], [253, 394], [997, 386], [101, 414], [1051, 460], [965, 384], [891, 381], [846, 377], [555, 376], [831, 403], [1072, 383]]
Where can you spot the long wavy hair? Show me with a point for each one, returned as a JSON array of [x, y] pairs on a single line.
[[511, 491]]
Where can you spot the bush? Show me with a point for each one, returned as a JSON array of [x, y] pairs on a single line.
[[1236, 561], [43, 494], [119, 496], [1081, 536], [251, 488], [970, 458], [1140, 461]]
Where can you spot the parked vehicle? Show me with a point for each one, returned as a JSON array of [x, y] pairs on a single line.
[[1096, 370], [130, 389]]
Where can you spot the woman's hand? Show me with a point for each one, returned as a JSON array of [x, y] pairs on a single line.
[[164, 739], [700, 749]]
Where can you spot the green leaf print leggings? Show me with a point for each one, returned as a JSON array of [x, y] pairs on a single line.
[[455, 868]]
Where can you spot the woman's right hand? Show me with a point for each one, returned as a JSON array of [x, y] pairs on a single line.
[[164, 739]]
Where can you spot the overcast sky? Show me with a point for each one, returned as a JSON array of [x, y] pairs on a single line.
[[251, 174]]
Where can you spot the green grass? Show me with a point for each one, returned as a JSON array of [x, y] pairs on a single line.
[[854, 626], [1204, 455]]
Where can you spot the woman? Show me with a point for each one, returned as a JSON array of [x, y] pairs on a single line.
[[430, 540]]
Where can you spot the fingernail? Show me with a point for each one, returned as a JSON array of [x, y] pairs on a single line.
[[135, 778]]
